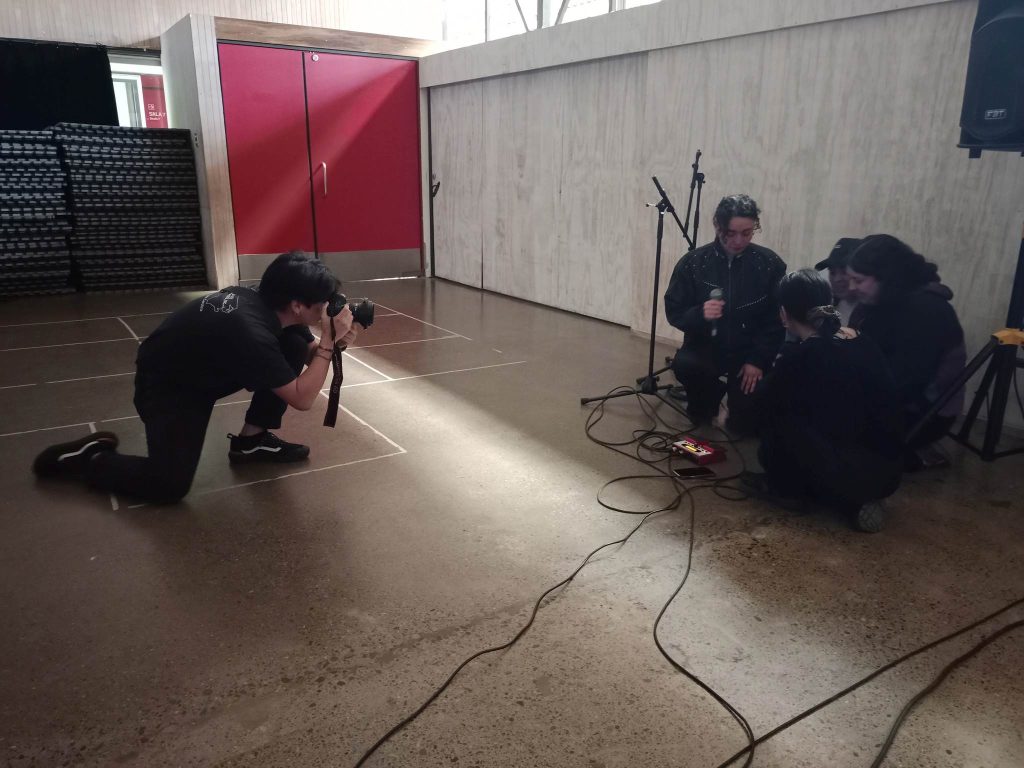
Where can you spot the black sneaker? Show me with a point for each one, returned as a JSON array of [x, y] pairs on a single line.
[[73, 457], [870, 518], [266, 446]]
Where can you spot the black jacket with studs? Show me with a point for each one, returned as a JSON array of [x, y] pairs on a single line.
[[750, 330]]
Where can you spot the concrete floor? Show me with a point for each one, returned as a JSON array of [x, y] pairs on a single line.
[[291, 621]]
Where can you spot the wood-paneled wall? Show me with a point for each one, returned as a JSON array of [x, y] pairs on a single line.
[[666, 24], [536, 224], [139, 23], [843, 128], [194, 101]]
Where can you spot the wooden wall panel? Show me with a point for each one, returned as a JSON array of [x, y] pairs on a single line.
[[192, 79], [637, 30], [524, 127], [139, 23], [457, 146], [545, 180]]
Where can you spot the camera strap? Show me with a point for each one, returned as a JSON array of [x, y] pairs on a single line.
[[331, 417], [332, 401]]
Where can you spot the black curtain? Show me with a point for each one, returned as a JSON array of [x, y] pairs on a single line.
[[47, 83]]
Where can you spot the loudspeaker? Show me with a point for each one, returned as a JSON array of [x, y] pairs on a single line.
[[993, 112]]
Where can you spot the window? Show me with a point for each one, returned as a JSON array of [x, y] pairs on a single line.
[[466, 22], [139, 91]]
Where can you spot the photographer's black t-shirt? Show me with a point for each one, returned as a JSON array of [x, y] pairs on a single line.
[[216, 345]]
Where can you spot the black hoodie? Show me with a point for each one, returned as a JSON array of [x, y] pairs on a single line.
[[922, 340]]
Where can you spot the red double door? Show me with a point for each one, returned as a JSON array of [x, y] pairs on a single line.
[[323, 153]]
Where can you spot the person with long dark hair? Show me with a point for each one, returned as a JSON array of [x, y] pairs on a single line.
[[831, 429], [906, 310]]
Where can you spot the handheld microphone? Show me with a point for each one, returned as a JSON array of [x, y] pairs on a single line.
[[716, 295]]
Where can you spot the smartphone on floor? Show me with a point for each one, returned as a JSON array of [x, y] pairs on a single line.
[[689, 473]]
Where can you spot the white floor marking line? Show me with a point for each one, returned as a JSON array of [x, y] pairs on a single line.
[[215, 405], [65, 381], [498, 351], [113, 499], [133, 333], [283, 477], [69, 344], [413, 341], [90, 378], [424, 375], [418, 320], [376, 431], [367, 365], [82, 320], [245, 402], [45, 429]]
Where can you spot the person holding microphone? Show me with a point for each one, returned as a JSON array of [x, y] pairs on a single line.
[[722, 297]]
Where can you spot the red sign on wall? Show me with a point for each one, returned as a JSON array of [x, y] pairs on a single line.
[[154, 104]]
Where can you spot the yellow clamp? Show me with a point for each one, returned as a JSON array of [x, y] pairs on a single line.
[[1013, 336]]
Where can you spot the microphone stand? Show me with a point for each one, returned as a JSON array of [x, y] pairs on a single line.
[[648, 385]]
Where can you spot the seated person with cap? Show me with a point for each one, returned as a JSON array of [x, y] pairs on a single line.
[[837, 263]]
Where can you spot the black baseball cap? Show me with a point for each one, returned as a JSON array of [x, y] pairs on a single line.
[[841, 252]]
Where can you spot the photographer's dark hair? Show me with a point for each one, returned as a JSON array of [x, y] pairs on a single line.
[[898, 269], [736, 205], [807, 298], [296, 276]]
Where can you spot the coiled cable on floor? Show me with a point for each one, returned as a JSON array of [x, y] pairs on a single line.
[[657, 443]]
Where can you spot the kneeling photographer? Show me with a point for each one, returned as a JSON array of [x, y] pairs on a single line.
[[237, 338], [832, 430]]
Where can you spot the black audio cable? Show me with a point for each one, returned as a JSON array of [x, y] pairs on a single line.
[[683, 492], [864, 680]]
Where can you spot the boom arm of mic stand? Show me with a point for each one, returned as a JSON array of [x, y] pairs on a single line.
[[669, 208]]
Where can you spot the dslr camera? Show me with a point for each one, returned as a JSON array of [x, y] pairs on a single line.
[[362, 309]]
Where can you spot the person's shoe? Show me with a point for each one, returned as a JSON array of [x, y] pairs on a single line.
[[932, 457], [870, 518], [73, 457], [266, 446], [678, 392]]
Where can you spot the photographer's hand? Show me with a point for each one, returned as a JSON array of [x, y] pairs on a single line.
[[349, 337], [333, 330]]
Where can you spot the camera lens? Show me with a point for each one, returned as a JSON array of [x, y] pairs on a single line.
[[362, 312]]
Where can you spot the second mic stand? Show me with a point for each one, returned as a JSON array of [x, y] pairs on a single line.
[[648, 385]]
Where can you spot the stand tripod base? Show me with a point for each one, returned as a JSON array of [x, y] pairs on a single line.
[[644, 388], [1001, 354], [999, 377]]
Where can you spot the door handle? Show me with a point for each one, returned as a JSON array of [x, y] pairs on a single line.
[[324, 166]]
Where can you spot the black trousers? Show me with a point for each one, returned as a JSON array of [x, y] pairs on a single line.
[[176, 425], [843, 477], [700, 374]]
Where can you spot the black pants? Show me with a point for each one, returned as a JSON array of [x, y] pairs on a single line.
[[802, 464], [176, 425], [936, 428], [700, 374]]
